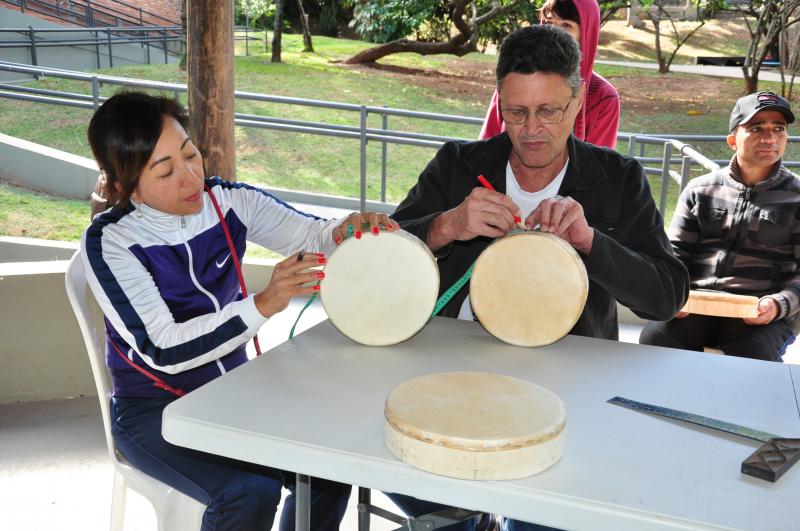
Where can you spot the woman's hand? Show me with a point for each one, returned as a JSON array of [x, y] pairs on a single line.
[[373, 219], [287, 281]]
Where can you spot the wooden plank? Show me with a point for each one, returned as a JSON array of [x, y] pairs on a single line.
[[721, 304], [210, 83]]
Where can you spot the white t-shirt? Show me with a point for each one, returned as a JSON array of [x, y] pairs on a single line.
[[527, 202]]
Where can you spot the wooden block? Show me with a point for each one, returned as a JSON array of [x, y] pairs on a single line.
[[721, 304], [773, 459]]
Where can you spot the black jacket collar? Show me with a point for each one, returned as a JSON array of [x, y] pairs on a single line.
[[490, 157]]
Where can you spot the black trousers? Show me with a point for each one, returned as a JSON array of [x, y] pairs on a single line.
[[732, 335]]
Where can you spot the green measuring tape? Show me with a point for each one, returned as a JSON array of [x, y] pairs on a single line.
[[456, 287], [442, 301]]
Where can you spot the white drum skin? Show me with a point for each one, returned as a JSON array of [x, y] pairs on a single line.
[[473, 425], [529, 288], [380, 289]]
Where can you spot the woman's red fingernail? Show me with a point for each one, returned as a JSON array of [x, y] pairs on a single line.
[[374, 230], [316, 288], [322, 260], [320, 275], [338, 240], [517, 219], [358, 235]]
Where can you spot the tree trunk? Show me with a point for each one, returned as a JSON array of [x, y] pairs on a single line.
[[308, 45], [277, 32], [453, 46], [182, 64], [750, 81], [662, 62], [210, 84]]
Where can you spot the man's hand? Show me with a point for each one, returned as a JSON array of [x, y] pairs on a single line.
[[483, 213], [767, 311], [563, 216]]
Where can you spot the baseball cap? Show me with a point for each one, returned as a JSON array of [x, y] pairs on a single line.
[[747, 106]]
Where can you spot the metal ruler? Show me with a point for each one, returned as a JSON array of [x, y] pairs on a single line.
[[769, 462]]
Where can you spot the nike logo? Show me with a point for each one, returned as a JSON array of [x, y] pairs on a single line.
[[220, 264]]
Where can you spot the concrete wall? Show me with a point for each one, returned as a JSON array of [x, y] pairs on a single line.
[[68, 57], [42, 353], [14, 249], [47, 169]]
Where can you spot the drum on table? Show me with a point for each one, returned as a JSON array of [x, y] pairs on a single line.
[[529, 288], [380, 289], [474, 425]]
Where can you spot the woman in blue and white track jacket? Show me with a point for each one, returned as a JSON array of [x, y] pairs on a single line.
[[160, 266], [169, 290]]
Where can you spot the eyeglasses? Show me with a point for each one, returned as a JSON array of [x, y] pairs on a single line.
[[546, 114]]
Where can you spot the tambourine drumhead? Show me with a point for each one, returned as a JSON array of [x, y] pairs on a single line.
[[474, 425], [380, 289], [529, 288]]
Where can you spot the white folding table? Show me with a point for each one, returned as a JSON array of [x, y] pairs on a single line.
[[314, 406]]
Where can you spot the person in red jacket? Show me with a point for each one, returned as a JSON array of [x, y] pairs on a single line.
[[598, 119]]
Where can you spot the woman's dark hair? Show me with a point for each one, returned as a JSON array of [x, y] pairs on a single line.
[[123, 134], [562, 8], [541, 48]]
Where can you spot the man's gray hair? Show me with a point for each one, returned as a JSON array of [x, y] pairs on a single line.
[[541, 48]]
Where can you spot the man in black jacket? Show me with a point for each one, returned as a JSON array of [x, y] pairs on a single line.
[[592, 197]]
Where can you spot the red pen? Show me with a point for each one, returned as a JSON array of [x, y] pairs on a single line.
[[487, 184]]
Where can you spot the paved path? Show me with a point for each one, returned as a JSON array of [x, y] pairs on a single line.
[[706, 70]]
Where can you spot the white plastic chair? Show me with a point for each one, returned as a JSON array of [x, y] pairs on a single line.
[[174, 510]]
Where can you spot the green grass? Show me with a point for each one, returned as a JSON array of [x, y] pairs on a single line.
[[326, 164], [36, 215]]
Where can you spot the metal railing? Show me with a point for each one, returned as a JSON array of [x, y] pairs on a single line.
[[86, 13], [687, 155], [247, 30], [102, 39]]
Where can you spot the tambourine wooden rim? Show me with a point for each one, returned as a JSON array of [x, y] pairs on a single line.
[[380, 289], [474, 425], [533, 299]]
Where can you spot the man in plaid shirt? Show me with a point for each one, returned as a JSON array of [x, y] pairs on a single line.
[[738, 230]]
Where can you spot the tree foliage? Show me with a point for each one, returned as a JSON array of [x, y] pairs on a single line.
[[609, 8], [387, 20], [437, 26], [253, 9]]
